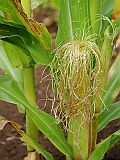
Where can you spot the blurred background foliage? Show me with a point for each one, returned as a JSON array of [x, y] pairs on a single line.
[[46, 3]]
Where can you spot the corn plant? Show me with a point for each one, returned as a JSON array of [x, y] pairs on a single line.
[[88, 34], [80, 67], [20, 63]]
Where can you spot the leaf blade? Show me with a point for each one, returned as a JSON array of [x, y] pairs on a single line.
[[104, 146], [111, 113], [43, 121]]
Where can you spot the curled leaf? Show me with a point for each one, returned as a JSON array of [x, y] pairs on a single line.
[[31, 156], [3, 122]]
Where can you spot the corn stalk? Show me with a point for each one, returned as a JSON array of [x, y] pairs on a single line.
[[29, 87]]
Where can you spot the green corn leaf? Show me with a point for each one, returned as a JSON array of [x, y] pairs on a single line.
[[113, 87], [26, 41], [116, 24], [14, 12], [15, 73], [36, 3], [56, 3], [39, 39], [36, 146], [65, 29], [12, 55], [32, 48], [4, 20], [7, 7], [95, 10], [16, 56], [4, 62], [53, 3], [9, 91], [111, 113], [116, 10], [104, 146], [71, 26], [75, 19], [12, 63], [107, 6]]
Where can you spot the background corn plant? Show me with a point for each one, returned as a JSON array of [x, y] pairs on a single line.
[[25, 43]]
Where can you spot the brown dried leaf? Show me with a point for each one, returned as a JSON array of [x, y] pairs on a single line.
[[24, 137], [30, 23], [16, 126], [3, 122], [32, 155]]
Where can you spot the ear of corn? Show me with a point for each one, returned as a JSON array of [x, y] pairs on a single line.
[[77, 73]]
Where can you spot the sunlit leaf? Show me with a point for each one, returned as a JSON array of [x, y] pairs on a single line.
[[110, 113], [104, 146], [107, 6], [4, 62], [39, 39], [26, 41], [113, 87], [74, 19], [36, 3], [14, 71]]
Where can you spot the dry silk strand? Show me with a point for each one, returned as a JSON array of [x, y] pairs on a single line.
[[76, 71]]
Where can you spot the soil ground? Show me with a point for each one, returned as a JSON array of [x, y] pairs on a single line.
[[11, 147]]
